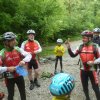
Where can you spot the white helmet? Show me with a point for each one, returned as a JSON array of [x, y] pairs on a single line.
[[9, 36], [96, 30], [59, 41], [31, 31]]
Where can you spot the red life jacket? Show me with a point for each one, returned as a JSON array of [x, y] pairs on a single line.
[[31, 46], [87, 53]]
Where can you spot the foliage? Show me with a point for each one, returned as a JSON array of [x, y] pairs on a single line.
[[51, 19]]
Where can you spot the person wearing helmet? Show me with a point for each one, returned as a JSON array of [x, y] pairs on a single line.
[[31, 45], [61, 86], [96, 37], [59, 51], [88, 52], [12, 56]]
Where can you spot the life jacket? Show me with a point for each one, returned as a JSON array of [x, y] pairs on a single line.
[[31, 46], [11, 58], [87, 53]]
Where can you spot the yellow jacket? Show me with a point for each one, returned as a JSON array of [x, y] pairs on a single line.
[[59, 50], [61, 98]]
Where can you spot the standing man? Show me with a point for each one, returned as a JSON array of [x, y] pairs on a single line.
[[96, 37], [12, 56], [34, 48], [88, 52]]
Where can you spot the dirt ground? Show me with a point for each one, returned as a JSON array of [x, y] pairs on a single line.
[[69, 66]]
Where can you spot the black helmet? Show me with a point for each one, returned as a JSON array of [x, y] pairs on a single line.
[[9, 36], [96, 30]]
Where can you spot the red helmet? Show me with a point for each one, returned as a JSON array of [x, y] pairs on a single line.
[[87, 33]]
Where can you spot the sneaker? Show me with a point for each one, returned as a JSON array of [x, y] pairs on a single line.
[[31, 86], [37, 83]]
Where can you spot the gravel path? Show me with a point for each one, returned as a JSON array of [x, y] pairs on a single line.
[[42, 93]]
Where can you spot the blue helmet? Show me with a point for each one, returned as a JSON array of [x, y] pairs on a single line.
[[62, 84]]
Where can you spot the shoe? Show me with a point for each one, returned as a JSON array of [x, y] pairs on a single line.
[[37, 83], [61, 71], [55, 72], [31, 86], [87, 98]]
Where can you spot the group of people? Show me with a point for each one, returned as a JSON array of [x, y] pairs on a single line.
[[61, 85], [89, 52], [12, 56]]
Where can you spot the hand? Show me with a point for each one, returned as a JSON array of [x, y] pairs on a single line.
[[11, 69], [90, 63], [21, 63], [59, 51], [35, 52], [67, 43]]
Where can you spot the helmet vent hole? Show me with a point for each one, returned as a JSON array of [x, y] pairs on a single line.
[[63, 90]]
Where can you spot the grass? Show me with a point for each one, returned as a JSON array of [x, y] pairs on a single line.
[[47, 51]]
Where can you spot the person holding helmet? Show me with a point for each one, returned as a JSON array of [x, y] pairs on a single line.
[[12, 56], [96, 37], [61, 86], [59, 51], [32, 46], [88, 52]]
